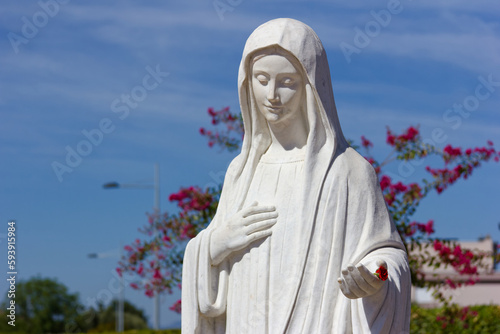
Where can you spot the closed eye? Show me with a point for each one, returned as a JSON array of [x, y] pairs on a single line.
[[288, 82], [262, 79]]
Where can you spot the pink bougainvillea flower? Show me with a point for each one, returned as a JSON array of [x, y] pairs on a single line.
[[176, 307], [365, 142]]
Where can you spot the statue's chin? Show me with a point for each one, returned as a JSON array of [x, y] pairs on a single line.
[[270, 116]]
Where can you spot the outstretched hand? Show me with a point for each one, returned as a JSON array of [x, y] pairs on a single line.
[[358, 281], [246, 226]]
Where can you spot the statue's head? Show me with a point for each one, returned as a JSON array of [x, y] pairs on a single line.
[[278, 85], [295, 45]]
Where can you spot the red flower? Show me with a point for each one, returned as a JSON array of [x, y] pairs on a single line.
[[391, 139], [385, 181], [176, 307], [450, 283], [451, 152], [429, 227], [411, 133], [157, 274], [399, 187], [365, 142], [188, 231], [381, 273]]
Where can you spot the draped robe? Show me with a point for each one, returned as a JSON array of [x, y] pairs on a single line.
[[339, 218]]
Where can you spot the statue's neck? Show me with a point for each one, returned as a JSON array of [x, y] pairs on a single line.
[[288, 137]]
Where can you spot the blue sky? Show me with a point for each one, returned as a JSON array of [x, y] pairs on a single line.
[[62, 78]]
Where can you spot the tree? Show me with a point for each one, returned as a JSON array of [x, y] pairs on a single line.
[[43, 305], [158, 260], [104, 318]]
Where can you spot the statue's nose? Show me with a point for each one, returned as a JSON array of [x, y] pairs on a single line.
[[272, 94]]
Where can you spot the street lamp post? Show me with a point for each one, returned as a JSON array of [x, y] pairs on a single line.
[[119, 327], [156, 188], [157, 211]]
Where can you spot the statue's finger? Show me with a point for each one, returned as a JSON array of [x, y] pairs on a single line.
[[252, 219], [352, 285], [258, 235], [345, 289], [360, 281], [370, 278], [367, 288], [341, 285], [381, 263], [253, 210], [260, 226]]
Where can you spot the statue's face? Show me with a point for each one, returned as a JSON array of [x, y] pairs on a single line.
[[278, 88]]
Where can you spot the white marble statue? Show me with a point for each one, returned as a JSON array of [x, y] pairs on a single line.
[[302, 224]]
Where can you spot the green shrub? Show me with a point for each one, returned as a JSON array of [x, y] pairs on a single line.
[[148, 331], [483, 319], [140, 331]]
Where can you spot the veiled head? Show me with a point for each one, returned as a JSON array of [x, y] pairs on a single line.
[[305, 52]]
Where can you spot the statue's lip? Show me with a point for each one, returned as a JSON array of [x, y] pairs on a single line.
[[274, 108]]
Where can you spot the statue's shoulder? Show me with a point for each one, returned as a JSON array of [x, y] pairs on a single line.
[[234, 165], [233, 171], [353, 166]]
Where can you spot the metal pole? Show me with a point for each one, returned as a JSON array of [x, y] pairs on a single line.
[[157, 211], [156, 301], [157, 186], [121, 301], [117, 317], [119, 307]]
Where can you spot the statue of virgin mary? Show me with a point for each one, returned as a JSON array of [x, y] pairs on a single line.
[[301, 225]]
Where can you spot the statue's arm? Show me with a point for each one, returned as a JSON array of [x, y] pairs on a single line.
[[204, 287], [388, 309]]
